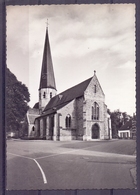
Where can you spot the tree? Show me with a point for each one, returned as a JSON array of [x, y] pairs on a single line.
[[116, 122], [126, 117], [17, 98]]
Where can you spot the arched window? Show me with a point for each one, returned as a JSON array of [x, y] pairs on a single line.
[[50, 95], [44, 94], [92, 113], [68, 121], [95, 111]]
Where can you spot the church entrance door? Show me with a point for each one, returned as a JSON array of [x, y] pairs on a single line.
[[95, 131]]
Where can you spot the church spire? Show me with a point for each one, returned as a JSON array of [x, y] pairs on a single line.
[[47, 88], [47, 79]]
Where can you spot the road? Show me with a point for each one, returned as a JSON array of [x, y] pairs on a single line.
[[42, 164]]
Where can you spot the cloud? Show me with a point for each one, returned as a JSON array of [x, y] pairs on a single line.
[[83, 38]]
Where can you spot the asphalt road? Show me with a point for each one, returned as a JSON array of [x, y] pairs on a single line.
[[71, 165]]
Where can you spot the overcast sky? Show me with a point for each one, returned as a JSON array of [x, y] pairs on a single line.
[[83, 38]]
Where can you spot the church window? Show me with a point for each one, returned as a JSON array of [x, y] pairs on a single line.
[[95, 89], [44, 94], [50, 95], [96, 111], [68, 121], [92, 112], [97, 115]]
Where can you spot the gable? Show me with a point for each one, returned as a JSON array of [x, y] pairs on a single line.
[[33, 111], [32, 114], [94, 89], [31, 118]]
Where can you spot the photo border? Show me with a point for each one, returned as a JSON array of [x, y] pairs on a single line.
[[3, 4]]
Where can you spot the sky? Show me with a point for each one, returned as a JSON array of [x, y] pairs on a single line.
[[83, 38]]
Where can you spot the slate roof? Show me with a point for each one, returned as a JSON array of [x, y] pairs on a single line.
[[126, 126], [36, 106], [65, 97], [47, 79], [68, 95]]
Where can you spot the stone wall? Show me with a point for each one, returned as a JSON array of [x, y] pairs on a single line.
[[79, 118], [90, 94], [106, 129], [37, 127], [90, 98], [47, 128], [31, 133], [109, 125], [67, 133], [68, 109], [41, 128], [44, 101]]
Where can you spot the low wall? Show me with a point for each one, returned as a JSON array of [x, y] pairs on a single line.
[[67, 134]]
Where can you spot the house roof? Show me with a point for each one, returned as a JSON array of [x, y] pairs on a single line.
[[47, 79], [126, 126]]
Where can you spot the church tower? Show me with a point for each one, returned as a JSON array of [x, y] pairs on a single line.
[[47, 88]]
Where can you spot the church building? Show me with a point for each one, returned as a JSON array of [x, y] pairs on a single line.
[[78, 113]]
